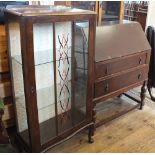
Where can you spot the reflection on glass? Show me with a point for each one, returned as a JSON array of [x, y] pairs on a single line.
[[110, 11], [86, 5], [61, 98], [63, 35], [15, 48], [71, 68], [44, 73], [81, 70]]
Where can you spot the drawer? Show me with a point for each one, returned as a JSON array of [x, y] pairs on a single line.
[[3, 56], [119, 64], [4, 66], [5, 89], [2, 30], [2, 38], [3, 46], [117, 82]]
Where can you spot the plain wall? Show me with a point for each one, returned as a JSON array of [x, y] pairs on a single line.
[[151, 14]]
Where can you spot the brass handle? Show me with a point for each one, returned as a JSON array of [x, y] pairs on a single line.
[[139, 76], [106, 87], [106, 70], [140, 60]]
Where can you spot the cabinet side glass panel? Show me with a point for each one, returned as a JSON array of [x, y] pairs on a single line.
[[81, 70], [44, 73], [18, 84]]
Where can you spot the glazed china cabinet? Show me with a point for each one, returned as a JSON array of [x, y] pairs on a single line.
[[51, 50]]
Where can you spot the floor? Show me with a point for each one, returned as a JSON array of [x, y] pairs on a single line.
[[133, 132]]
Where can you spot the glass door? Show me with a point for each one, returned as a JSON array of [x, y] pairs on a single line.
[[17, 80], [61, 67]]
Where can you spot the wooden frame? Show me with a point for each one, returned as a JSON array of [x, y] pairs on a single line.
[[27, 51]]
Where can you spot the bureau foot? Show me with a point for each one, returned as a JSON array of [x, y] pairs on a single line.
[[143, 94], [91, 133], [150, 91]]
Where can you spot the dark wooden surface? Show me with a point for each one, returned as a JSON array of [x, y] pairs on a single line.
[[113, 66], [26, 30], [121, 63], [34, 10], [121, 40], [131, 73], [117, 82]]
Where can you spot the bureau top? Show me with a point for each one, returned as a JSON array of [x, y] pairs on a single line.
[[119, 40], [35, 10]]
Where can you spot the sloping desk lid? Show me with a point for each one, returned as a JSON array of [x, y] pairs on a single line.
[[118, 40]]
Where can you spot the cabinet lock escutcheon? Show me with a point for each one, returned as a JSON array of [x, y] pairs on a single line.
[[140, 60], [32, 89], [106, 70]]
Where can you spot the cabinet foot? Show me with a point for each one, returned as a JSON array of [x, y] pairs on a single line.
[[90, 134]]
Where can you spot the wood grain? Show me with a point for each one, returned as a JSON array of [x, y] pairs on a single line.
[[2, 30], [5, 89], [134, 132]]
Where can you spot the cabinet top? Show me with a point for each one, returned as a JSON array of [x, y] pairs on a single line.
[[39, 10]]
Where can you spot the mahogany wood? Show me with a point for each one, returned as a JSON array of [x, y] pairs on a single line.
[[120, 64], [26, 33], [121, 81], [116, 75]]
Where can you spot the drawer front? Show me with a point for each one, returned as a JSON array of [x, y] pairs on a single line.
[[4, 66], [2, 38], [3, 56], [2, 30], [3, 48], [118, 65], [5, 89], [117, 82]]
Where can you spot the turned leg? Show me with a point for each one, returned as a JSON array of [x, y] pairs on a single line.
[[91, 133], [150, 92], [92, 128], [143, 94]]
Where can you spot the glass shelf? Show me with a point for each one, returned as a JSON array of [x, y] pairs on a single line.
[[48, 127], [41, 57]]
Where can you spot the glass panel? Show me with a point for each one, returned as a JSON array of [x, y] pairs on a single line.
[[63, 35], [44, 73], [69, 109], [71, 67], [110, 11], [15, 48], [81, 70], [86, 5]]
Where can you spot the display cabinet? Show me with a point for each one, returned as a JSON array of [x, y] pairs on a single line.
[[51, 51]]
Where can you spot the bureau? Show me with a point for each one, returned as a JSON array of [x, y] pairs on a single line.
[[121, 63]]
